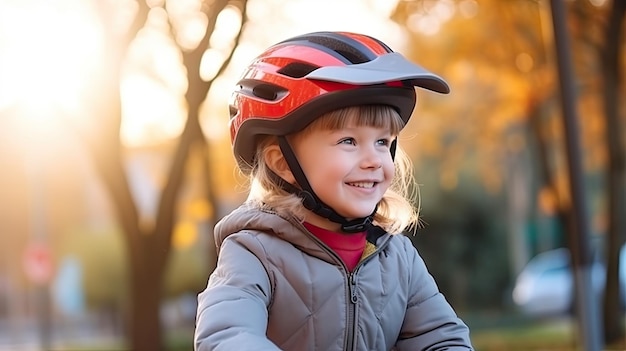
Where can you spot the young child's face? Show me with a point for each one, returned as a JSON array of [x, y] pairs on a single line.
[[349, 169]]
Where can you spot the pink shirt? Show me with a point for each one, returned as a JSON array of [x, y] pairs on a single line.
[[348, 246]]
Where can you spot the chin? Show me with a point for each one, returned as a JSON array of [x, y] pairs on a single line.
[[360, 214]]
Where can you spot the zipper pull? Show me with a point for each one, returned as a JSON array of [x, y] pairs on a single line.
[[353, 295]]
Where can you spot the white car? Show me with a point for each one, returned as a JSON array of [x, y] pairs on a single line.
[[545, 286]]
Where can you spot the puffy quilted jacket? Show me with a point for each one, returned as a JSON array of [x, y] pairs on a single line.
[[277, 287]]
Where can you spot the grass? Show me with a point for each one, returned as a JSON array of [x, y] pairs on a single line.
[[510, 332], [540, 336], [489, 333]]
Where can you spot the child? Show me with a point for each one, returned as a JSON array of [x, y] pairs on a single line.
[[310, 261]]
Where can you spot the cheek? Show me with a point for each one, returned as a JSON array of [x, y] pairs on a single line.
[[389, 169]]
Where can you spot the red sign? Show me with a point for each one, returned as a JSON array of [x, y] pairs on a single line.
[[38, 263]]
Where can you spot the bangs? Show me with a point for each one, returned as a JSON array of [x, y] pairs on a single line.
[[377, 116]]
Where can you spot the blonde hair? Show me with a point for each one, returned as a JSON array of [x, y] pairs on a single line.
[[396, 211]]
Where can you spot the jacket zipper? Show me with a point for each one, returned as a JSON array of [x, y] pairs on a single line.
[[353, 298]]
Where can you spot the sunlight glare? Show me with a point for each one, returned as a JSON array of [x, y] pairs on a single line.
[[424, 24], [444, 10], [430, 20], [153, 86], [154, 115], [47, 49], [188, 21], [384, 7], [468, 8], [155, 3], [211, 62], [226, 28], [192, 32], [272, 20], [119, 21], [221, 42], [214, 111]]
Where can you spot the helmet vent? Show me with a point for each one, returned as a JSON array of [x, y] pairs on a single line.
[[297, 69], [233, 111], [346, 50], [268, 91]]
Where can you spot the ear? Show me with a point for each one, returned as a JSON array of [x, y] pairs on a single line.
[[277, 163]]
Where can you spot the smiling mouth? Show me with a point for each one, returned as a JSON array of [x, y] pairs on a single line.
[[366, 185]]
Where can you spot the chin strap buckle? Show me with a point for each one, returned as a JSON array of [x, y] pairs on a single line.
[[361, 225]]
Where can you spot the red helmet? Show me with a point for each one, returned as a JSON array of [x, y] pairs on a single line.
[[299, 79]]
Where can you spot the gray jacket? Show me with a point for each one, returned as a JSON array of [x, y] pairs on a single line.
[[276, 286]]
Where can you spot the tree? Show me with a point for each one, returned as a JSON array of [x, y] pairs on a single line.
[[612, 69], [148, 246], [497, 76], [602, 30]]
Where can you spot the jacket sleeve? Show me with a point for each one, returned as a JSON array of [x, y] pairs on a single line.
[[232, 310], [430, 323]]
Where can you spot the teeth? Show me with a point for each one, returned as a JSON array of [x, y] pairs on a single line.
[[363, 184]]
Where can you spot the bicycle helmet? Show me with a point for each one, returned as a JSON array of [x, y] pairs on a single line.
[[299, 79]]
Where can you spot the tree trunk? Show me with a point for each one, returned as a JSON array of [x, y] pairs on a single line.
[[616, 191], [146, 291]]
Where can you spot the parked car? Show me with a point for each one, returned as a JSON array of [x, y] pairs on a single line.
[[545, 286]]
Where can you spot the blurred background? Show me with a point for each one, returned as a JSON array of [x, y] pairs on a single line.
[[116, 161]]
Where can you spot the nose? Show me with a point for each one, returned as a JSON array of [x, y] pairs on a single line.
[[371, 159]]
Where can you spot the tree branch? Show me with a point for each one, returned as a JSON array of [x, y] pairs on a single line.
[[192, 133]]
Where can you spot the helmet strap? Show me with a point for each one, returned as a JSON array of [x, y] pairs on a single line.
[[309, 199]]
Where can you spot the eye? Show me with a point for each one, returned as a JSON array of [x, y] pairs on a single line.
[[383, 142], [347, 141]]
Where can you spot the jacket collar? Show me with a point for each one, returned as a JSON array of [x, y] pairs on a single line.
[[251, 216]]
